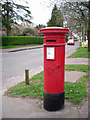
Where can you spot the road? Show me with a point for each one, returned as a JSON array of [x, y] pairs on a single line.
[[15, 63]]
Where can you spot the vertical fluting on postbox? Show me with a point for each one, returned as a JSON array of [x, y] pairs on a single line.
[[54, 67]]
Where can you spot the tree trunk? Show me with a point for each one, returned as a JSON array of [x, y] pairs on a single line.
[[7, 19], [7, 26], [89, 31], [83, 35]]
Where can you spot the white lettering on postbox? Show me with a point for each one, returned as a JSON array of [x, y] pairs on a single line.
[[50, 53]]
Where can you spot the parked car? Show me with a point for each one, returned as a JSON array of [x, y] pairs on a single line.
[[85, 43], [70, 41]]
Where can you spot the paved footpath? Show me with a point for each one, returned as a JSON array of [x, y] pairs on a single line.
[[83, 61], [33, 108]]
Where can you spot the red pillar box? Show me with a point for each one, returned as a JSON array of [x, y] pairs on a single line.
[[54, 63]]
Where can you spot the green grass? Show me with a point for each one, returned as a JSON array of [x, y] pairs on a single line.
[[16, 46], [34, 90], [81, 53], [75, 92], [82, 68]]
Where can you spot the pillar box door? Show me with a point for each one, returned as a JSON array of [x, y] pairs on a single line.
[[54, 65]]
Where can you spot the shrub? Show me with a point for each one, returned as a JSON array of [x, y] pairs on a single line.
[[66, 38], [75, 39], [28, 31], [21, 40]]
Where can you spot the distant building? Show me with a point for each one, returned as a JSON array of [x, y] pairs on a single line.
[[17, 30]]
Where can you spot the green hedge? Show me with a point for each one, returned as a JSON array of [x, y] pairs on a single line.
[[21, 40]]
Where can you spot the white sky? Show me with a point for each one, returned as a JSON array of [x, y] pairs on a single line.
[[39, 11]]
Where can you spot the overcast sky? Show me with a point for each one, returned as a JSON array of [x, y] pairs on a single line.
[[40, 10]]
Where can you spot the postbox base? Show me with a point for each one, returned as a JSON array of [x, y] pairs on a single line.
[[53, 102]]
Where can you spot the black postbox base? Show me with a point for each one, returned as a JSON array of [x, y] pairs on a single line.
[[53, 102]]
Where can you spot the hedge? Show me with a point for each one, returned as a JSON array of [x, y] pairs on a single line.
[[21, 40]]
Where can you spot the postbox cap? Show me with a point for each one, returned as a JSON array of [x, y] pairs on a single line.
[[54, 30]]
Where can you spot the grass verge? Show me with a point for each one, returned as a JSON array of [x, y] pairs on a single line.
[[81, 53], [75, 92], [16, 46], [82, 68]]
